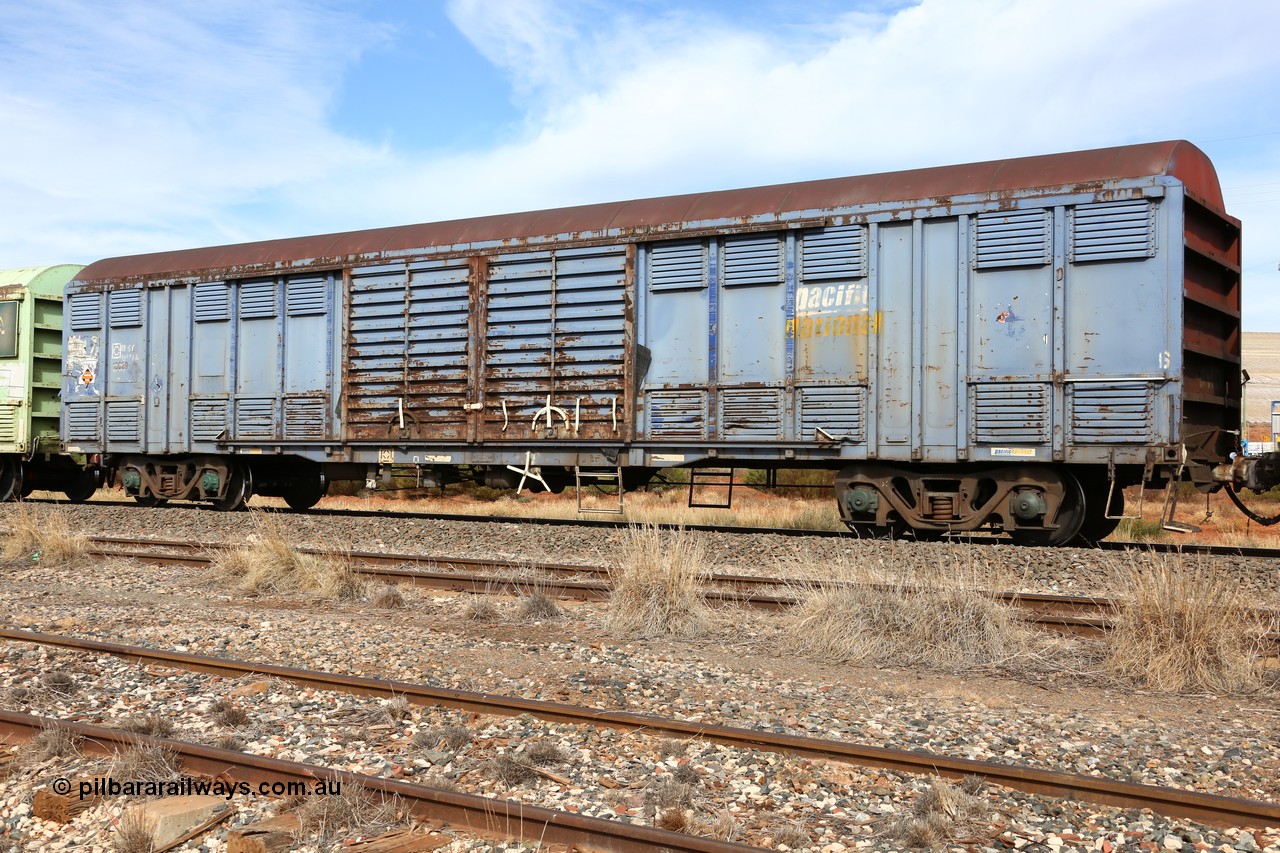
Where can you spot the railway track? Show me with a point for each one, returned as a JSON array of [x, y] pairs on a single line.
[[1192, 548], [1064, 613], [486, 816], [1210, 809]]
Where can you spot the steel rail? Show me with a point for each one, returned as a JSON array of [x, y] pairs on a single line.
[[381, 564], [484, 816], [1192, 548], [1211, 809], [1067, 616], [1083, 615]]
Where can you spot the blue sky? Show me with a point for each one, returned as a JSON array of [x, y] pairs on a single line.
[[133, 126]]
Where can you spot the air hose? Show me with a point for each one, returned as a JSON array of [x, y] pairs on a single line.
[[1250, 514]]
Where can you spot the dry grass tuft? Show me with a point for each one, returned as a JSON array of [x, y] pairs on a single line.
[[356, 809], [43, 536], [388, 597], [60, 684], [671, 747], [452, 738], [942, 813], [687, 774], [724, 826], [658, 588], [1184, 627], [224, 712], [397, 709], [145, 764], [938, 618], [667, 794], [234, 743], [50, 742], [136, 833], [545, 753], [511, 771], [790, 835], [149, 724], [537, 606], [271, 566], [482, 608], [674, 820]]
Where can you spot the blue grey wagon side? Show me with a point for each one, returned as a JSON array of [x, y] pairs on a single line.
[[1004, 344]]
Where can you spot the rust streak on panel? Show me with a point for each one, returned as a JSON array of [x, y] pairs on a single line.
[[477, 287], [629, 392]]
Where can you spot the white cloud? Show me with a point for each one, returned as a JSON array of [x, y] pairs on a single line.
[[159, 126], [680, 102], [131, 125]]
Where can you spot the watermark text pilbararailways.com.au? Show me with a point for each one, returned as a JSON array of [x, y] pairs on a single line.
[[184, 786]]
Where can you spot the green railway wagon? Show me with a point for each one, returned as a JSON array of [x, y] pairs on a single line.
[[31, 454]]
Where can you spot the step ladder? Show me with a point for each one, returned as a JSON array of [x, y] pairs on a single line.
[[711, 478], [1171, 501], [597, 475]]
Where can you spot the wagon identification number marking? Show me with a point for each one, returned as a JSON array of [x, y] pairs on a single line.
[[123, 356], [840, 325]]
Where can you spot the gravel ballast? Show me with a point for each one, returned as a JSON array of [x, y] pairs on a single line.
[[734, 676]]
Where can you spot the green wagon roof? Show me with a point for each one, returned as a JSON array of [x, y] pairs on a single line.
[[46, 281]]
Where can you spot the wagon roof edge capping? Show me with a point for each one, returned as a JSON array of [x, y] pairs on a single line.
[[1176, 158]]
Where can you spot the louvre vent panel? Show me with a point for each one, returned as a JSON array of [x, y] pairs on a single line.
[[208, 420], [212, 301], [305, 296], [86, 311], [677, 414], [836, 252], [1011, 413], [1111, 231], [752, 259], [124, 420], [837, 412], [376, 349], [555, 327], [751, 413], [1120, 412], [124, 308], [304, 417], [257, 299], [439, 334], [677, 265], [8, 424], [256, 418], [1013, 238], [81, 421]]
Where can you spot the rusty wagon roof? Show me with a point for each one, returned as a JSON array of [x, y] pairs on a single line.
[[1176, 158]]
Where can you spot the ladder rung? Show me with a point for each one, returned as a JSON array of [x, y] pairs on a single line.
[[616, 475]]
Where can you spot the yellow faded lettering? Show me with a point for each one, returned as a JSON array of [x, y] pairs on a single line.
[[840, 325]]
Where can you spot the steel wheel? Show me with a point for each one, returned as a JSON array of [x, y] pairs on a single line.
[[1096, 525], [307, 493], [1070, 519], [11, 476], [82, 488], [239, 488]]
